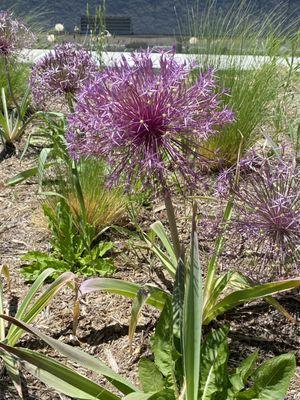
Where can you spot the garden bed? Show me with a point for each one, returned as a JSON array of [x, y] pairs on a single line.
[[103, 324]]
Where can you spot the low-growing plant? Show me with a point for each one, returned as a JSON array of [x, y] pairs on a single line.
[[79, 206], [72, 249], [184, 367], [30, 308]]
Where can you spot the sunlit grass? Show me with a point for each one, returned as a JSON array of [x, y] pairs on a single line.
[[252, 90]]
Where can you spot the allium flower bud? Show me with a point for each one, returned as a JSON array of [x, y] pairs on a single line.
[[147, 121], [62, 71], [14, 35]]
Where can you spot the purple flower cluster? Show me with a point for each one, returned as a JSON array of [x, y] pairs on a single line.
[[268, 202], [63, 71], [145, 120], [14, 35]]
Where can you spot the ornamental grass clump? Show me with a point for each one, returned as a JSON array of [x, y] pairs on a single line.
[[146, 122], [62, 72]]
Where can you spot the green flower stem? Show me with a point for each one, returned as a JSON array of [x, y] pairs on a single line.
[[172, 221]]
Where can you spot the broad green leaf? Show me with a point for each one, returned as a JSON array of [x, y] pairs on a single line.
[[150, 377], [80, 357], [156, 299], [242, 373], [192, 319], [217, 289], [59, 377], [271, 379], [165, 260], [6, 125], [246, 295], [33, 291], [163, 347], [213, 372], [27, 300], [241, 281]]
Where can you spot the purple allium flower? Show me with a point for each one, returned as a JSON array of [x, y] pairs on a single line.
[[146, 120], [14, 35], [268, 202], [62, 71]]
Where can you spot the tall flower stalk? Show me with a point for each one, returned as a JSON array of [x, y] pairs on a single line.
[[146, 122]]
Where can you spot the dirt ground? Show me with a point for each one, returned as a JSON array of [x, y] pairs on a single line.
[[103, 324]]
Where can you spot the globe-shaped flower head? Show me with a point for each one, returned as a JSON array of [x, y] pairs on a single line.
[[61, 72], [14, 35], [269, 206], [146, 120]]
